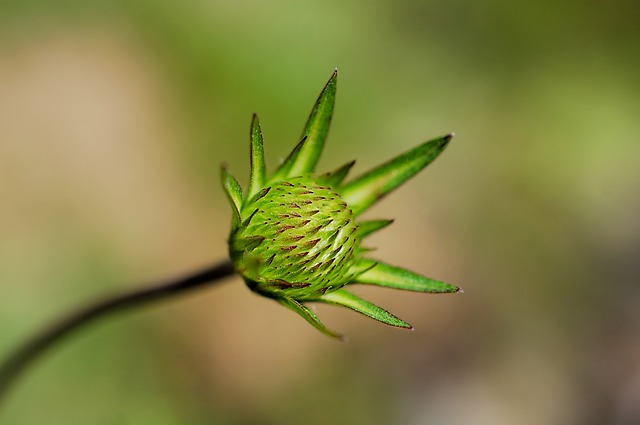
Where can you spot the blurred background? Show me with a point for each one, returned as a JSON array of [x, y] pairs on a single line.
[[115, 117]]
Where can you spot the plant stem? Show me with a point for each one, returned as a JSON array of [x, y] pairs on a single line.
[[18, 361]]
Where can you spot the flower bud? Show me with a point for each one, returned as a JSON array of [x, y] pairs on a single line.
[[296, 238]]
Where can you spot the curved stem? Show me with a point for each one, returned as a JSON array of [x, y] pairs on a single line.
[[24, 355]]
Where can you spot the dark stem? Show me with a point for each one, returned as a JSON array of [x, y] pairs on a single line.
[[23, 356]]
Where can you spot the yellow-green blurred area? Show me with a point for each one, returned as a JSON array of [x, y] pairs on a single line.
[[116, 115]]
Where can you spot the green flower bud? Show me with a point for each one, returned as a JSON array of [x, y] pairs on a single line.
[[294, 237]]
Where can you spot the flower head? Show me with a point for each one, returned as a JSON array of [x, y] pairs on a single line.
[[295, 236]]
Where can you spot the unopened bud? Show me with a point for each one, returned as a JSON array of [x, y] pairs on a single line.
[[296, 238]]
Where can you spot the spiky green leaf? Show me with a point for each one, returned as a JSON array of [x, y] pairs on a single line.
[[358, 267], [315, 131], [398, 278], [345, 299], [365, 228], [308, 315], [279, 176], [361, 250], [334, 178], [247, 243], [258, 168], [233, 191], [365, 190]]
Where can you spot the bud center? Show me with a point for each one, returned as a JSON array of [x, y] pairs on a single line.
[[296, 238]]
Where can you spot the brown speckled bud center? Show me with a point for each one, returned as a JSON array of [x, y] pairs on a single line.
[[296, 238]]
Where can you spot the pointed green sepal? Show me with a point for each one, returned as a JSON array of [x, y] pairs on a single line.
[[343, 298], [258, 168], [309, 316], [334, 178], [382, 274], [358, 267], [278, 175], [365, 228], [248, 243], [315, 131], [365, 190], [233, 191], [362, 250]]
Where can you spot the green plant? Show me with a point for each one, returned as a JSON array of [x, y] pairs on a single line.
[[294, 236]]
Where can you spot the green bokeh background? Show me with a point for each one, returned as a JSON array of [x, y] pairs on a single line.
[[115, 117]]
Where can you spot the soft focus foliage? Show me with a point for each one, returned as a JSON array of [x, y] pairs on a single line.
[[115, 115]]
